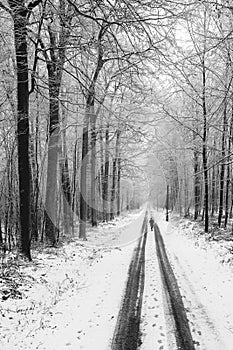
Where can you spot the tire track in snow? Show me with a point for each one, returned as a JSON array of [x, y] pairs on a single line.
[[175, 303], [203, 328], [127, 331], [154, 327]]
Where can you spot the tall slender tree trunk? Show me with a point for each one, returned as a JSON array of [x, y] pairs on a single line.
[[74, 180], [101, 166], [118, 185], [83, 180], [197, 189], [204, 147], [227, 195], [114, 177], [229, 175], [106, 177], [167, 204], [51, 204], [222, 167], [65, 179], [196, 186], [213, 191], [186, 194], [93, 169], [36, 217], [89, 114], [55, 59], [204, 157], [214, 185], [66, 191], [19, 13]]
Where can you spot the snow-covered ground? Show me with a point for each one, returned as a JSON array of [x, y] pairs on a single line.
[[205, 280], [71, 295]]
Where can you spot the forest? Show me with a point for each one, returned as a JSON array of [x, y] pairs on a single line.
[[108, 104]]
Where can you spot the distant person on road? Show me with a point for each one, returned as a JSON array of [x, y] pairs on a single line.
[[151, 223]]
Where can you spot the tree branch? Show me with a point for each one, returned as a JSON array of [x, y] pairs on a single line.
[[7, 9]]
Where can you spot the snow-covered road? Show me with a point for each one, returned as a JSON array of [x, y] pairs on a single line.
[[206, 287], [154, 327], [71, 297]]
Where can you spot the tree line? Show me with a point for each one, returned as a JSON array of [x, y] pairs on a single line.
[[72, 90], [84, 88], [197, 105]]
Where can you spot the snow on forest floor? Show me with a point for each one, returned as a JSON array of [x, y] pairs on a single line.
[[68, 297], [203, 265]]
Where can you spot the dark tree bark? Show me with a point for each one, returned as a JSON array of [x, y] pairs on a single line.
[[55, 59], [113, 190], [118, 185], [106, 177], [197, 188], [67, 198], [204, 149], [65, 178], [114, 176], [214, 186], [229, 175], [167, 204], [74, 205], [222, 167], [19, 14], [83, 180], [101, 166], [93, 171]]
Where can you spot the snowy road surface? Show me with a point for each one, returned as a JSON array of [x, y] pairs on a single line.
[[206, 287], [74, 299], [155, 329]]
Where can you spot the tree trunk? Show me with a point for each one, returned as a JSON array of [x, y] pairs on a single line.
[[66, 198], [19, 13], [51, 231], [204, 150], [213, 187], [227, 196], [106, 177], [74, 180], [228, 179], [222, 168], [101, 167], [186, 194], [197, 193], [113, 190], [83, 179], [118, 185], [65, 179], [167, 204], [93, 169]]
